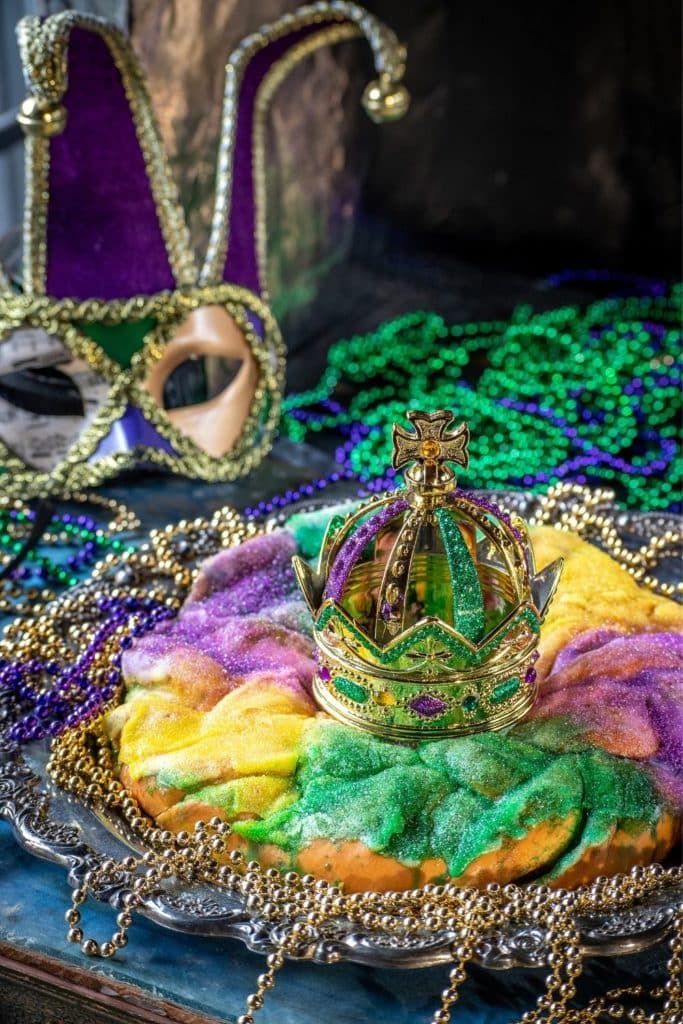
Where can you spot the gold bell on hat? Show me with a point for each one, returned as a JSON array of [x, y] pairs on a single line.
[[38, 116], [385, 100]]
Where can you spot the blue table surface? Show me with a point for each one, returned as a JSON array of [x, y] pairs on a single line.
[[215, 976]]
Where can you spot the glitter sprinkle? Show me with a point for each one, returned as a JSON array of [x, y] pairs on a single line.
[[352, 690], [468, 601], [352, 548], [428, 706]]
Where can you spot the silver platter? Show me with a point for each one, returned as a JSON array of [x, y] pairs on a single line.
[[52, 825]]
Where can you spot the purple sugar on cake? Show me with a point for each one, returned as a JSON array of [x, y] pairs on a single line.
[[626, 692], [248, 578], [240, 618]]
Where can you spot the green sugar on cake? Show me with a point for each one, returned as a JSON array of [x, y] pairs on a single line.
[[251, 795], [458, 800], [309, 528], [335, 750], [375, 810], [483, 763]]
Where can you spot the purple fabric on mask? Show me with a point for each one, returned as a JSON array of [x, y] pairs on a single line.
[[241, 266], [128, 432], [103, 235], [256, 322], [352, 548]]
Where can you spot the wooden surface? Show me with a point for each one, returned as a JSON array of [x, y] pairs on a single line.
[[37, 989]]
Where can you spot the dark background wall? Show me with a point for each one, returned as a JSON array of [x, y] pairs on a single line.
[[540, 133]]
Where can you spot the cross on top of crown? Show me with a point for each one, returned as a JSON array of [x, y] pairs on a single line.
[[430, 444]]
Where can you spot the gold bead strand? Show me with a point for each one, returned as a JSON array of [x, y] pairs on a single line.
[[298, 933]]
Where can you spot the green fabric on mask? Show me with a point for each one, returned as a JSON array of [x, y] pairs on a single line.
[[119, 341]]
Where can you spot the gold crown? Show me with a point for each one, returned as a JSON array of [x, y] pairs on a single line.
[[426, 602]]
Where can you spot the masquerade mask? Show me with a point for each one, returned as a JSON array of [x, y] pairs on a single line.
[[115, 323]]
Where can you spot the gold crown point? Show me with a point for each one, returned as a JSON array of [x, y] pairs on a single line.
[[432, 448]]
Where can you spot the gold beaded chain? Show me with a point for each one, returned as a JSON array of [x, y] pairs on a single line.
[[18, 600], [581, 510], [122, 517], [298, 907]]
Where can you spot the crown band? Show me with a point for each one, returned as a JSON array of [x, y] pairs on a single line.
[[416, 710]]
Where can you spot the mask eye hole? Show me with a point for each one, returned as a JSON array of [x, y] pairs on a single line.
[[43, 390], [199, 378], [210, 398]]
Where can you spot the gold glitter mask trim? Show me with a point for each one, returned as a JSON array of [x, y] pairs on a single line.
[[88, 461]]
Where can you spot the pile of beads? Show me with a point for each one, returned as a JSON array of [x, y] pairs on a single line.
[[587, 395], [61, 662], [80, 688], [71, 542]]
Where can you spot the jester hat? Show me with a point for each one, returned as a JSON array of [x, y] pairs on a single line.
[[111, 296]]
